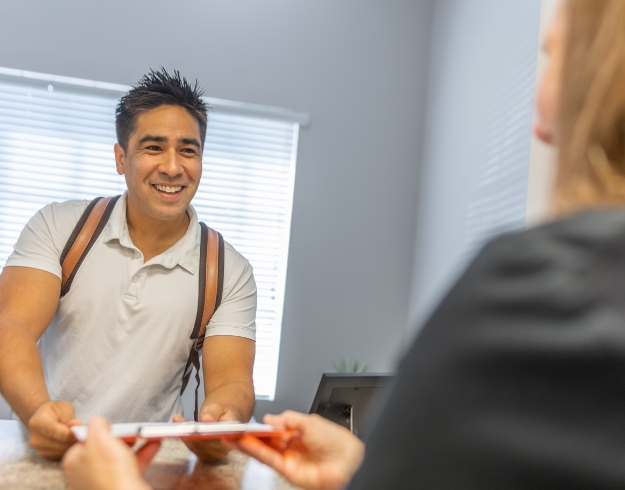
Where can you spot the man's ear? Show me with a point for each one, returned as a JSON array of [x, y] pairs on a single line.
[[120, 158]]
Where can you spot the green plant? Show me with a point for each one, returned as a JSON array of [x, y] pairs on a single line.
[[344, 366]]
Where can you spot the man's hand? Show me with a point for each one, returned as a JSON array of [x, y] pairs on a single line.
[[49, 428], [105, 463], [209, 451], [214, 412], [321, 456]]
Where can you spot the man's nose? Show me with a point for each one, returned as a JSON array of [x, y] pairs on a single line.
[[171, 164]]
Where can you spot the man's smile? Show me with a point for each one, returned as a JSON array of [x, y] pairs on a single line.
[[168, 191]]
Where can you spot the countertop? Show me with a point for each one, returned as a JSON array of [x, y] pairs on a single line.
[[174, 467]]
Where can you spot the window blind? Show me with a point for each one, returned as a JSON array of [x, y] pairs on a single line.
[[498, 200], [56, 144]]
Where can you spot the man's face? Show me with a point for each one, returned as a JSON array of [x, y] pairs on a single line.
[[163, 162]]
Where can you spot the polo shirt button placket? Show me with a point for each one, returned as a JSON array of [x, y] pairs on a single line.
[[132, 289]]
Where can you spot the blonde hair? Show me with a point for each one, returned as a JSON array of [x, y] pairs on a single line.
[[590, 128]]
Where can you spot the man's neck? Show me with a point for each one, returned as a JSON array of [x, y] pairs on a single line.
[[153, 236]]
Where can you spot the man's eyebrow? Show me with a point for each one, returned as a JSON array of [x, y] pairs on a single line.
[[152, 137], [190, 141]]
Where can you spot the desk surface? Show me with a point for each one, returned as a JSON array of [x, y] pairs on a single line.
[[174, 467]]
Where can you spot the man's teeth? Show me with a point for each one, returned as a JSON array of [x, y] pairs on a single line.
[[171, 190]]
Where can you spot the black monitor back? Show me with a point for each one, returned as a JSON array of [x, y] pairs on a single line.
[[345, 398]]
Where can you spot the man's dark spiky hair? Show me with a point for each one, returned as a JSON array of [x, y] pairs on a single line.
[[155, 89]]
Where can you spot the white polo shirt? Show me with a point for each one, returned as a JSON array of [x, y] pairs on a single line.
[[119, 340]]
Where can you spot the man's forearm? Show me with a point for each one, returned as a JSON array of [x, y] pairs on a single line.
[[236, 396], [227, 363], [22, 381]]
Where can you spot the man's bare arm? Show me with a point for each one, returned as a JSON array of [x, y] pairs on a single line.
[[28, 301], [228, 363]]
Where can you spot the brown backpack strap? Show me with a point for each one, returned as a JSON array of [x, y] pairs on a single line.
[[210, 290], [84, 235]]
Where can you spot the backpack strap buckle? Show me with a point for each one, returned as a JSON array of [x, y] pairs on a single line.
[[198, 343]]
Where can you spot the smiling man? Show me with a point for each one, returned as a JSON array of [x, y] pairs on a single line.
[[117, 343]]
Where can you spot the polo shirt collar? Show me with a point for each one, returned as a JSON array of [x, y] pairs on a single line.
[[185, 252]]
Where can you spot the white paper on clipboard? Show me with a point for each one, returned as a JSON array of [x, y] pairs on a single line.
[[174, 429]]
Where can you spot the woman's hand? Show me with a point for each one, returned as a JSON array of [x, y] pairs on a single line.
[[105, 463], [320, 455]]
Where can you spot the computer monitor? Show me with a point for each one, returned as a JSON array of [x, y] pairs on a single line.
[[345, 398]]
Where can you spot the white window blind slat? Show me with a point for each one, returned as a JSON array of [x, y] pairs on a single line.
[[57, 145], [499, 190]]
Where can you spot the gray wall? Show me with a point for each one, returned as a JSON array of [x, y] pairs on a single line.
[[361, 69], [478, 120], [357, 67]]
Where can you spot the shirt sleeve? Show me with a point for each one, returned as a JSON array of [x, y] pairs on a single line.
[[44, 237], [236, 315]]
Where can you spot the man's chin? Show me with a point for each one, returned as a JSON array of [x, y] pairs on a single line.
[[168, 211], [168, 215], [154, 208]]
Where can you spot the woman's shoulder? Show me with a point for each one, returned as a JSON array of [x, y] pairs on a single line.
[[564, 265], [588, 236]]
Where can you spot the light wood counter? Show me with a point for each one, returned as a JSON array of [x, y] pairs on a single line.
[[174, 467]]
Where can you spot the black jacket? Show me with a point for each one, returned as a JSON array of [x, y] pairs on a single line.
[[518, 378]]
